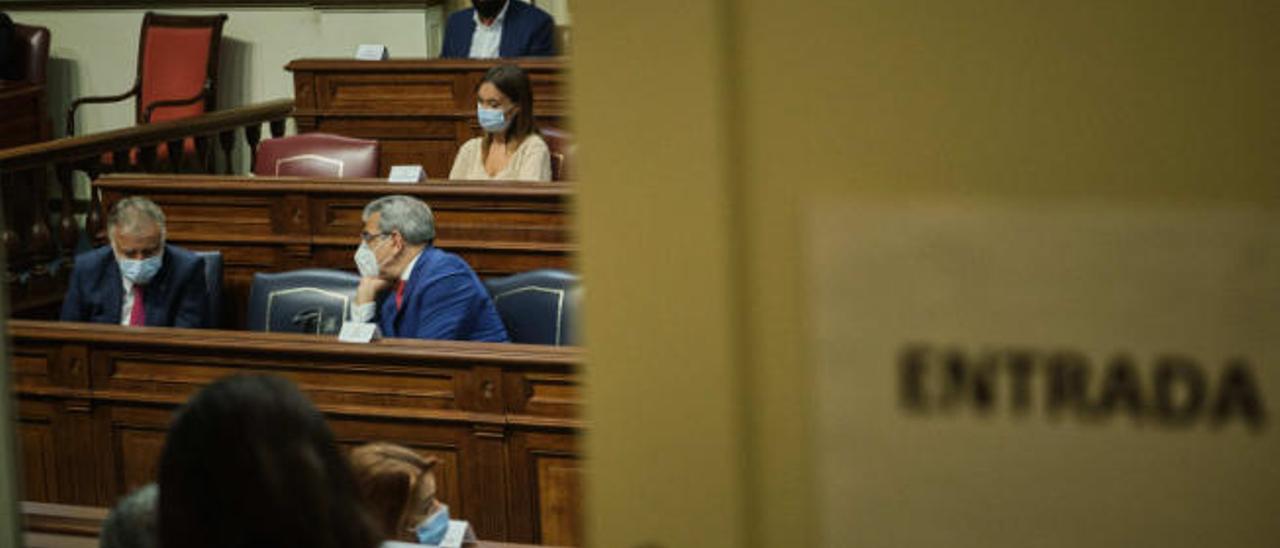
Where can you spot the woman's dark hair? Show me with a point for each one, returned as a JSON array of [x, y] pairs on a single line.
[[513, 82], [250, 462]]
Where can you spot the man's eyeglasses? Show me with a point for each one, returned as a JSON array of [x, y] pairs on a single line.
[[368, 238]]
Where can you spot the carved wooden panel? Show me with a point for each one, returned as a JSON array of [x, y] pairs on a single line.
[[36, 447], [137, 441], [351, 93], [544, 394], [502, 418], [547, 474]]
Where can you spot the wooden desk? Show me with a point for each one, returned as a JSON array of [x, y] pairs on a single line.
[[270, 224], [420, 110], [94, 402], [68, 526], [24, 114]]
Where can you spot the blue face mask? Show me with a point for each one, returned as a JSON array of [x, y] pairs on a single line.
[[493, 120], [140, 271], [431, 530]]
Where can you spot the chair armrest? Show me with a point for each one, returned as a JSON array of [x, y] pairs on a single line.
[[71, 112], [151, 108]]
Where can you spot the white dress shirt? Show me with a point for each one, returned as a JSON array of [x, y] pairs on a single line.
[[126, 304], [363, 313], [487, 38]]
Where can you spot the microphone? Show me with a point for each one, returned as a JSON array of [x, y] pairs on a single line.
[[308, 320]]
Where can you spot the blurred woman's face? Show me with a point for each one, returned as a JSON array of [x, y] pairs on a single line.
[[425, 504], [489, 96]]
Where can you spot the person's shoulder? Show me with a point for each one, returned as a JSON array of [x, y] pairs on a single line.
[[535, 143], [471, 144], [445, 263], [534, 13], [180, 254], [93, 257], [461, 17], [183, 259]]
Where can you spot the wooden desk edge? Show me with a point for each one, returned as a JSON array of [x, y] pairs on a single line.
[[297, 343]]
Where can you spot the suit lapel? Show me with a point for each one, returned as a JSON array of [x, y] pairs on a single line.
[[508, 24], [416, 277], [114, 290]]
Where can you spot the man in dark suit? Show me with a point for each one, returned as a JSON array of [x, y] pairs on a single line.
[[426, 293], [499, 28], [138, 279]]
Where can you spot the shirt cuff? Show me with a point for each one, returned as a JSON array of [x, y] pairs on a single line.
[[363, 312]]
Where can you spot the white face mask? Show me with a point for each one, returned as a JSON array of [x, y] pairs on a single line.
[[367, 262], [140, 271]]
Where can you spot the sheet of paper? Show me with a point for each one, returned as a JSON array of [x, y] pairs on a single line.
[[372, 52], [358, 332], [407, 174]]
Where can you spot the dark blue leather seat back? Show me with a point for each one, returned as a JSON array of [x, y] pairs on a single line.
[[312, 300], [213, 279], [538, 307]]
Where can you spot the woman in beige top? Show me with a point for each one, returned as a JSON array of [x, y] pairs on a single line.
[[512, 148]]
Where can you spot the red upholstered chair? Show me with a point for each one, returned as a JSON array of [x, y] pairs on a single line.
[[561, 145], [177, 72], [317, 155], [32, 52]]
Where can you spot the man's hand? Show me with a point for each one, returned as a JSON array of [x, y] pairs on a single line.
[[369, 289]]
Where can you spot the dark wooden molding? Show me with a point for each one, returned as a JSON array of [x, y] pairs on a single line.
[[173, 4], [94, 402], [87, 146]]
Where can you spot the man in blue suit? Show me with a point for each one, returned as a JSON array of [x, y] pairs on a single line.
[[499, 28], [138, 279], [425, 293]]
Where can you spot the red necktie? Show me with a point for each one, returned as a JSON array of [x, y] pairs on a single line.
[[399, 294], [137, 316]]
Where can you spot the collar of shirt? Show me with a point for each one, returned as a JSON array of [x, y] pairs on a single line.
[[497, 21], [408, 269]]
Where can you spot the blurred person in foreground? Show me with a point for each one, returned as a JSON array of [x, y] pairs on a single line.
[[398, 489], [249, 462], [132, 523]]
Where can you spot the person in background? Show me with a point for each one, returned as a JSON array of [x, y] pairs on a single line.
[[250, 462], [132, 523], [8, 49], [138, 279], [499, 28], [511, 148], [426, 293], [398, 490]]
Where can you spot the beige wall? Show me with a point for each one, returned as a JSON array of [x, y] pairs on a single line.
[[94, 52], [714, 124]]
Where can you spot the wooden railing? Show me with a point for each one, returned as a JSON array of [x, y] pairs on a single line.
[[35, 233]]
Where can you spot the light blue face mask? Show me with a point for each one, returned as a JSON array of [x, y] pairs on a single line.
[[140, 271], [431, 530], [493, 120]]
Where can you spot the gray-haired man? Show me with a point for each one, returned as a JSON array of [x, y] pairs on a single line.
[[138, 279], [427, 293]]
